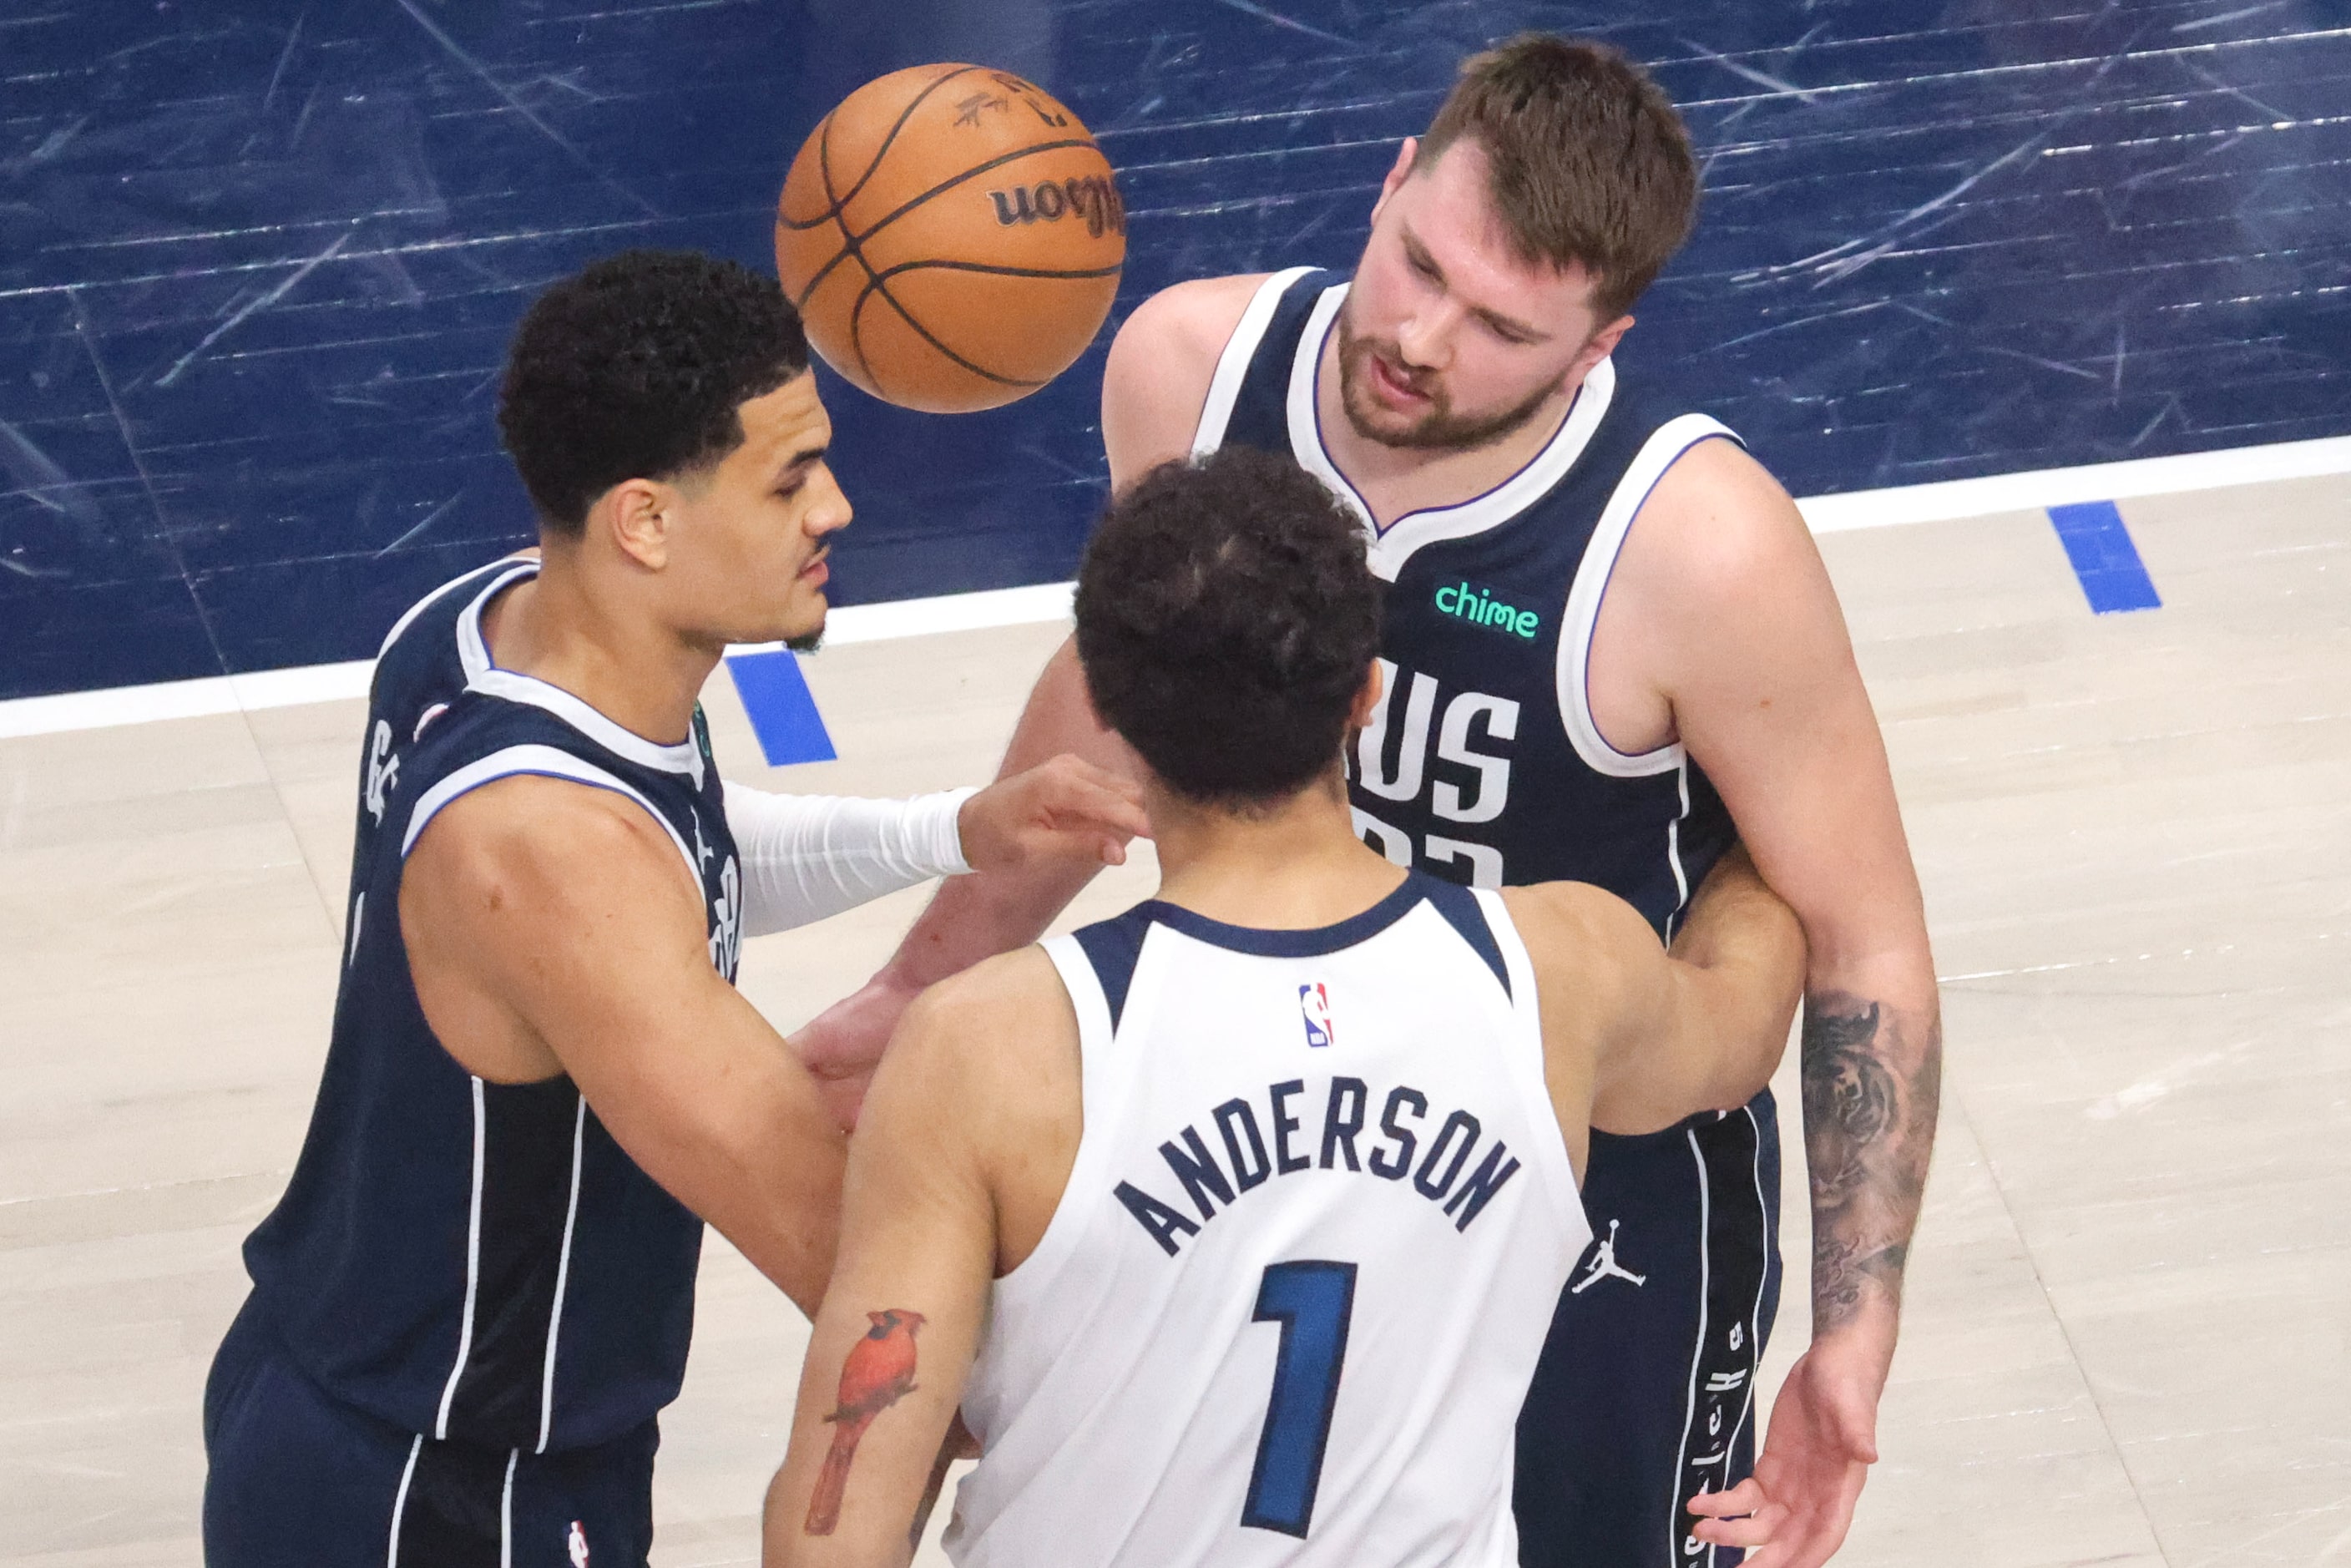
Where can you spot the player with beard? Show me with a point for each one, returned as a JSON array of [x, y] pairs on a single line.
[[1608, 639]]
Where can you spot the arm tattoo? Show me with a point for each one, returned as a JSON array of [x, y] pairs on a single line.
[[1870, 1096], [878, 1371]]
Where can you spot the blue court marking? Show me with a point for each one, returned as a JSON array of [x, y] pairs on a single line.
[[2113, 576], [783, 714]]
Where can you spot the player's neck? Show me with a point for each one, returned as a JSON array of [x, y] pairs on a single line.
[[613, 656], [1294, 868], [1395, 480]]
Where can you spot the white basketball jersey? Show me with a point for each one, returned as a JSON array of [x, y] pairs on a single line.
[[1291, 1299]]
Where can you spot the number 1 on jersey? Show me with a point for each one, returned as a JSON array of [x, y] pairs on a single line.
[[1312, 1301]]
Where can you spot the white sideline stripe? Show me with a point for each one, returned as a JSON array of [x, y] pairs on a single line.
[[2029, 491], [1946, 501], [399, 1501]]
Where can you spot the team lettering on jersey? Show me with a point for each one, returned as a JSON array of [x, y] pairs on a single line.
[[725, 910], [1472, 733], [382, 772], [1256, 1151]]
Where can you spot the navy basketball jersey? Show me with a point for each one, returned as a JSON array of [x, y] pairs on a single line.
[[426, 659], [1484, 765], [476, 1261]]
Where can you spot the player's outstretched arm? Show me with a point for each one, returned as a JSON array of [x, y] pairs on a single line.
[[895, 1340], [1663, 1036], [552, 927], [1154, 385], [997, 909], [806, 857]]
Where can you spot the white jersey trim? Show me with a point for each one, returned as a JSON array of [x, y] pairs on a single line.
[[1697, 1345], [1305, 423], [1558, 1173], [1387, 549], [399, 1501], [1674, 848], [517, 567], [1660, 451], [473, 1266], [1755, 1314], [562, 1279], [473, 650], [1066, 1229], [506, 1511], [684, 758], [547, 762], [1233, 363]]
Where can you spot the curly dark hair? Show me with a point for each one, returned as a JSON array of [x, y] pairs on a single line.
[[633, 370], [1226, 621]]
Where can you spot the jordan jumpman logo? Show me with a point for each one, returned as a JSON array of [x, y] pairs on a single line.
[[1605, 1267]]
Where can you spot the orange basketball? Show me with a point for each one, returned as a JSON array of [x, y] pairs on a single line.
[[952, 236]]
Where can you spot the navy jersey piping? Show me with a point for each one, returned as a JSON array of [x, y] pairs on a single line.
[[1113, 947], [1615, 523], [541, 761], [1468, 916], [1312, 942], [681, 757]]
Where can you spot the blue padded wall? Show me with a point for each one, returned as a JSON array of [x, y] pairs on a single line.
[[260, 258]]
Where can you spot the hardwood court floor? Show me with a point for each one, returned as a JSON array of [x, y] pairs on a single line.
[[2127, 1340]]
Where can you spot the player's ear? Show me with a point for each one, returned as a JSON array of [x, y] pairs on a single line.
[[1367, 699], [1398, 172], [634, 512], [1602, 344]]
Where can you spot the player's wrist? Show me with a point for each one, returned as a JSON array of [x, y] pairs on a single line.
[[901, 979], [1864, 1333]]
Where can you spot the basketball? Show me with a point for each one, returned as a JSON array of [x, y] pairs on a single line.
[[952, 236]]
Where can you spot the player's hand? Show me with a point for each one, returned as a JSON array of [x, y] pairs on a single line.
[[1064, 808], [1795, 1509], [842, 1045]]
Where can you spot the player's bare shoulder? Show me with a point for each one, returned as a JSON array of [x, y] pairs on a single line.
[[991, 1035], [1005, 992], [984, 1075], [1160, 365], [555, 847], [1594, 957], [1717, 528], [1579, 937]]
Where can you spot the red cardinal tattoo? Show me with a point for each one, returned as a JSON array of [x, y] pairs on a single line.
[[878, 1371]]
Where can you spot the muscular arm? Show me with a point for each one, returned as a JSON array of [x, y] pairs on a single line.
[[1154, 384], [1721, 601], [951, 1165], [1751, 649], [1640, 1038], [551, 928]]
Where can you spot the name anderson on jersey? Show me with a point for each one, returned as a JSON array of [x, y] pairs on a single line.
[[1251, 1157]]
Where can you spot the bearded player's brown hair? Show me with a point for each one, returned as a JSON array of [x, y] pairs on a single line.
[[1588, 162]]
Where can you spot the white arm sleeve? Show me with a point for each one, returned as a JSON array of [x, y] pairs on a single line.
[[808, 856]]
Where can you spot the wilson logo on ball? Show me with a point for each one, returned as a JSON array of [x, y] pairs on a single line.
[[909, 285], [1092, 198]]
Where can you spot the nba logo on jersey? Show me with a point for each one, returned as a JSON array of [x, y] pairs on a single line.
[[1314, 1006]]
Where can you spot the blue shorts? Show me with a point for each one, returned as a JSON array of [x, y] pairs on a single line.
[[1645, 1393], [297, 1480]]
